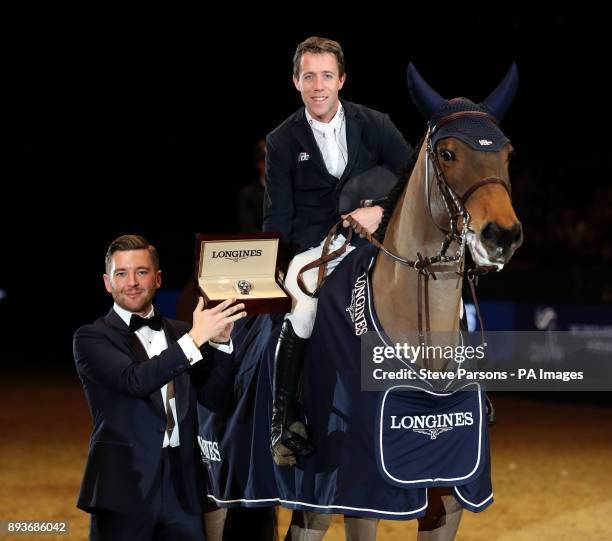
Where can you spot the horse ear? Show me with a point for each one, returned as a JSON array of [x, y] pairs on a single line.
[[427, 100], [500, 99]]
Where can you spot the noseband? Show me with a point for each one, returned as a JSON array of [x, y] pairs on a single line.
[[455, 204], [440, 265]]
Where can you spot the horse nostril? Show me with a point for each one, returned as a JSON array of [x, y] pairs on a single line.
[[517, 234], [501, 239], [490, 233]]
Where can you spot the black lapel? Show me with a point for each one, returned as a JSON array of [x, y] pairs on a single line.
[[182, 381], [113, 320], [303, 133], [138, 353], [130, 339], [353, 137]]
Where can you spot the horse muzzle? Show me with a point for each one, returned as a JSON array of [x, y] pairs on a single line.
[[495, 244]]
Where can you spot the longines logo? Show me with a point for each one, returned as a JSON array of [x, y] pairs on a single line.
[[210, 450], [432, 425], [236, 255], [356, 309]]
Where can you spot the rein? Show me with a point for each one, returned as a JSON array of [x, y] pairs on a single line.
[[440, 265]]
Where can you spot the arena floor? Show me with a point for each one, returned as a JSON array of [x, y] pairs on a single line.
[[552, 467]]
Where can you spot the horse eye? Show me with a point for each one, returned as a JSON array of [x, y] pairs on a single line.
[[447, 155]]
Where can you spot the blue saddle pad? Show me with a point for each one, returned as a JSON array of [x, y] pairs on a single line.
[[431, 439]]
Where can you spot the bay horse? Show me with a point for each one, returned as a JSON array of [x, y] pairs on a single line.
[[456, 197]]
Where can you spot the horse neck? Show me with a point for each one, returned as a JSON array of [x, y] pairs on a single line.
[[411, 230]]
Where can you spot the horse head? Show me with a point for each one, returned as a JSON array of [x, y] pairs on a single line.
[[467, 157]]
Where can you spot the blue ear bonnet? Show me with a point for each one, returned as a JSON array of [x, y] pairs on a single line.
[[477, 132]]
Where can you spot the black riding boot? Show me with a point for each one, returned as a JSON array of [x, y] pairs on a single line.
[[288, 433]]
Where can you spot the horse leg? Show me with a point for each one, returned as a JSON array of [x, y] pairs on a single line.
[[214, 522], [442, 517], [307, 526], [360, 528]]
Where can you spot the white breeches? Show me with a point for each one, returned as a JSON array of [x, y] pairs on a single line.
[[303, 307]]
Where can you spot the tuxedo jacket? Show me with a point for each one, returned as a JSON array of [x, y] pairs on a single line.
[[122, 387], [301, 197]]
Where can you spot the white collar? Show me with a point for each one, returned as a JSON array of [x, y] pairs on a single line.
[[126, 315], [334, 124]]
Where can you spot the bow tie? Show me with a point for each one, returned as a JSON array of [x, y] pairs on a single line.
[[136, 321]]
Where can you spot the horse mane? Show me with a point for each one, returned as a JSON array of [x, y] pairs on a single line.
[[390, 202]]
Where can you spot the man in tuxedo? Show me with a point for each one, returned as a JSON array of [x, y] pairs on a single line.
[[142, 374], [313, 158]]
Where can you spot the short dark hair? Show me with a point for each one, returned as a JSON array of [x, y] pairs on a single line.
[[125, 243], [318, 45]]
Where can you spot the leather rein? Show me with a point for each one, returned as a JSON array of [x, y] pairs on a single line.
[[440, 265]]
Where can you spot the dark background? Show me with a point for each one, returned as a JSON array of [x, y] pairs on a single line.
[[148, 124]]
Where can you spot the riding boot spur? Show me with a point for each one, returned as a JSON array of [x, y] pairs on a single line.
[[288, 436]]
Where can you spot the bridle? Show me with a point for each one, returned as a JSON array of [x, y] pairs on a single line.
[[454, 203], [440, 265]]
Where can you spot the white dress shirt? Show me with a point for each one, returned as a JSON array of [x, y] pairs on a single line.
[[331, 139], [154, 342]]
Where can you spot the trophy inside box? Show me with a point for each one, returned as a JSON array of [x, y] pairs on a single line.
[[244, 267]]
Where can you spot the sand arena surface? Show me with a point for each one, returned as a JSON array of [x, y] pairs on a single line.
[[552, 467]]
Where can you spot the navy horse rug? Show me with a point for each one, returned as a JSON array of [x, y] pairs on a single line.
[[376, 452]]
